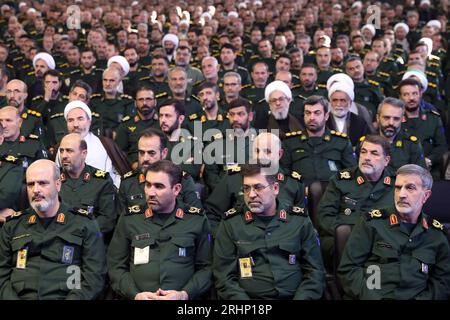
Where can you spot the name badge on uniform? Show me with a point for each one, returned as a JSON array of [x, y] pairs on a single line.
[[424, 268], [67, 255], [182, 252], [245, 266], [332, 165], [22, 258], [292, 259], [141, 255]]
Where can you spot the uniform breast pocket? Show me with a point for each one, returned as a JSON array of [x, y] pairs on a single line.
[[21, 251], [245, 249], [183, 249], [385, 253], [290, 251], [141, 250], [65, 249], [426, 259], [298, 155]]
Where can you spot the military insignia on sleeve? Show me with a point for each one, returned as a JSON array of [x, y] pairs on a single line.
[[61, 218]]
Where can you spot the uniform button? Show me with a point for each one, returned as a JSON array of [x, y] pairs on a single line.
[[371, 196], [269, 233], [410, 240]]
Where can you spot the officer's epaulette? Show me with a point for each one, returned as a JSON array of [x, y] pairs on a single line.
[[431, 73], [18, 58], [162, 94], [322, 85], [233, 169], [345, 175], [373, 82], [195, 97], [434, 58], [134, 209], [126, 118], [435, 112], [293, 134], [129, 174], [64, 65], [99, 69], [432, 85], [37, 98], [82, 212], [362, 138], [312, 52], [376, 214], [434, 64], [57, 115], [144, 78], [198, 83], [338, 134], [95, 114], [10, 158], [15, 215], [33, 136], [9, 66], [384, 74], [75, 71], [248, 85], [123, 95], [231, 213], [193, 117], [34, 113], [436, 224], [242, 68], [296, 175], [337, 70], [298, 211], [261, 100], [195, 210], [96, 95], [388, 59], [297, 86], [413, 138], [100, 174], [31, 73], [253, 57]]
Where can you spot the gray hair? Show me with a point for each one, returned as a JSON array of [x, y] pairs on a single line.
[[393, 102], [233, 74], [414, 169]]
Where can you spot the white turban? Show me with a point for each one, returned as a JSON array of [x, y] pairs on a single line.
[[370, 27], [401, 25], [419, 74], [172, 38], [277, 85], [357, 4], [233, 14], [428, 42], [47, 58], [77, 104], [434, 23], [206, 14], [341, 78], [122, 62], [185, 22], [343, 87]]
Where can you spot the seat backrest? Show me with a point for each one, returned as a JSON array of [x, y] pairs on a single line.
[[438, 205], [315, 193], [340, 240], [23, 198]]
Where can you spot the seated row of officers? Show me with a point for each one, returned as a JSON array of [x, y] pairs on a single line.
[[251, 237]]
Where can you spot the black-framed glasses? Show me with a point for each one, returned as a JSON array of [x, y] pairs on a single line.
[[257, 187]]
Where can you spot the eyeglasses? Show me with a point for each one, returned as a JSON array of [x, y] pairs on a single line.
[[280, 99], [258, 188]]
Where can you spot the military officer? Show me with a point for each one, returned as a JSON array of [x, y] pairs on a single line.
[[228, 192], [262, 250], [162, 253], [42, 247], [129, 130], [27, 149], [354, 191], [152, 146], [85, 187], [317, 153], [87, 71], [408, 248], [260, 76]]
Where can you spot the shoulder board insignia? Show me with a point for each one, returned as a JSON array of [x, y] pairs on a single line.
[[100, 174], [198, 83], [94, 114], [435, 113], [298, 211], [126, 118], [83, 212], [230, 212], [37, 98], [33, 136], [195, 210], [296, 175], [128, 174], [437, 225], [11, 158], [430, 73], [432, 85], [362, 138], [195, 97], [30, 73], [338, 134], [413, 138], [322, 85], [246, 86], [96, 95], [373, 82], [125, 96], [34, 113], [132, 129], [235, 168], [56, 115], [144, 78], [162, 94], [293, 134], [16, 214], [384, 74], [345, 175], [75, 71], [193, 116], [296, 86], [375, 214], [134, 209]]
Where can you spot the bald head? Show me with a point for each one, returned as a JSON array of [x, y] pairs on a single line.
[[267, 148], [11, 122], [73, 153], [16, 93]]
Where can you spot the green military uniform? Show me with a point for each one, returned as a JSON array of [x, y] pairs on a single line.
[[188, 149], [252, 93], [27, 150], [368, 93], [348, 196], [171, 251], [228, 193], [385, 83], [324, 75], [158, 87], [130, 82], [243, 72], [49, 108], [414, 260], [32, 124], [405, 149], [11, 178], [271, 62], [128, 133], [299, 96], [132, 196], [93, 192], [37, 252], [113, 111], [220, 123], [94, 78], [317, 158], [191, 103], [388, 65], [429, 129], [257, 257]]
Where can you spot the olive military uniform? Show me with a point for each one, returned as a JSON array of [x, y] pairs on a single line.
[[132, 196], [317, 158], [11, 178], [348, 196], [414, 260], [152, 250], [35, 254], [113, 111], [257, 257], [27, 149], [93, 192]]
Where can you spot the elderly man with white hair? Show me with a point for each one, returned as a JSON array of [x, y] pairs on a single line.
[[278, 95], [342, 120], [79, 119]]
